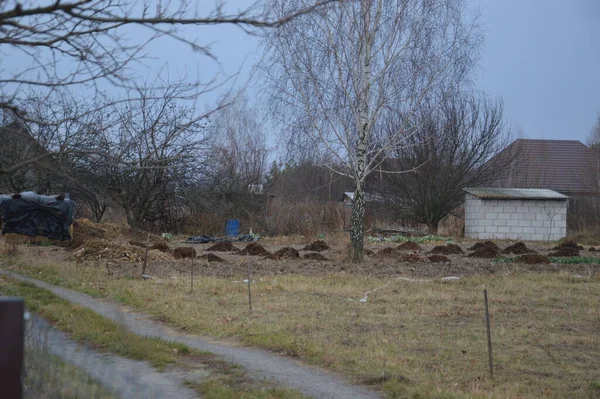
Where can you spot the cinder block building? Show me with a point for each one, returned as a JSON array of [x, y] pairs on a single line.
[[516, 214]]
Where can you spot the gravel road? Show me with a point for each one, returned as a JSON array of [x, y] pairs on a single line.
[[122, 377], [259, 364]]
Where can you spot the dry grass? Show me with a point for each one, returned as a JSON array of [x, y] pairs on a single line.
[[47, 377], [411, 339]]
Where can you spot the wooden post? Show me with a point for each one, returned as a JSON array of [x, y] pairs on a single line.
[[146, 255], [192, 272], [249, 292], [489, 334], [12, 333]]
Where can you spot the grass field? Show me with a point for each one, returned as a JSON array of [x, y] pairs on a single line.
[[410, 339], [55, 379]]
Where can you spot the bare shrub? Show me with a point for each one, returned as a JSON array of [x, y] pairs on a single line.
[[305, 218]]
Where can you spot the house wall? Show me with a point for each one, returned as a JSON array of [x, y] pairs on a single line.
[[529, 220]]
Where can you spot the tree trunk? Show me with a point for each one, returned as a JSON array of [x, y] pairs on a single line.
[[357, 226], [432, 227], [357, 220]]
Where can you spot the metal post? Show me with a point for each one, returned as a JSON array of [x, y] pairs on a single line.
[[249, 292], [192, 286], [489, 334], [12, 333]]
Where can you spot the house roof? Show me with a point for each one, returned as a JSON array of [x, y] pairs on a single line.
[[563, 165], [515, 193]]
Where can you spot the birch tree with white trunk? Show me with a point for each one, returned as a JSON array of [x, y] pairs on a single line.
[[335, 75]]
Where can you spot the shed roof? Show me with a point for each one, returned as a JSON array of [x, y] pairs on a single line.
[[515, 193], [564, 165]]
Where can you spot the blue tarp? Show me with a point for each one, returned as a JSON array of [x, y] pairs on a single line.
[[34, 215]]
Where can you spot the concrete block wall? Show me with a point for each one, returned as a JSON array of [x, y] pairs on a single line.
[[529, 220]]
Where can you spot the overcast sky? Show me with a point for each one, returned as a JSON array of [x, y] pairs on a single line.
[[542, 57]]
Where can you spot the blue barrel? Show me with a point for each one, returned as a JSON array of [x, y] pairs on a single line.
[[232, 227]]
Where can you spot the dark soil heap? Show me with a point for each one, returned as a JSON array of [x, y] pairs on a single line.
[[387, 252], [565, 252], [368, 252], [315, 256], [532, 259], [411, 258], [485, 245], [223, 246], [484, 253], [438, 259], [212, 258], [448, 249], [184, 252], [254, 249], [137, 244], [409, 246], [161, 246], [316, 246], [517, 248], [567, 248], [592, 249], [286, 253], [569, 244]]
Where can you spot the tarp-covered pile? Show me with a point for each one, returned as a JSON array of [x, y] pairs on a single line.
[[34, 215]]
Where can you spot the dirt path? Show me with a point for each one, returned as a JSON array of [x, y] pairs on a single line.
[[121, 377], [259, 364]]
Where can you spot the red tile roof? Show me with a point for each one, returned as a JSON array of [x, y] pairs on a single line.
[[567, 166]]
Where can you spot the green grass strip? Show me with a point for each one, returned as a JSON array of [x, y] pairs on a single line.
[[86, 326]]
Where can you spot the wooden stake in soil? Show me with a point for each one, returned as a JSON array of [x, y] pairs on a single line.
[[249, 292], [192, 271], [146, 255], [489, 333]]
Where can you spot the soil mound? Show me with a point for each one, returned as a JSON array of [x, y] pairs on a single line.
[[184, 252], [137, 244], [102, 249], [254, 249], [212, 258], [368, 252], [569, 244], [409, 246], [485, 253], [387, 252], [485, 245], [161, 246], [448, 249], [438, 259], [157, 255], [592, 249], [286, 253], [565, 252], [517, 248], [84, 230], [315, 256], [532, 259], [411, 258], [316, 246], [223, 246]]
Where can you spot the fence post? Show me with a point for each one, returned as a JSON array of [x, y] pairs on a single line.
[[489, 334], [12, 333], [249, 292]]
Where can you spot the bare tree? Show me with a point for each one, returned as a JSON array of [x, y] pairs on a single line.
[[448, 151], [57, 44], [240, 146], [156, 144], [338, 74]]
